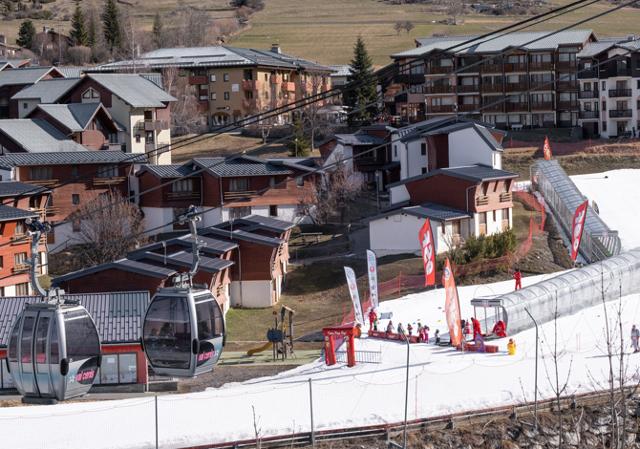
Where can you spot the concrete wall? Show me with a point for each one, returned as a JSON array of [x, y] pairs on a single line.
[[415, 162], [156, 216], [398, 194], [251, 294], [466, 147], [31, 105], [398, 234]]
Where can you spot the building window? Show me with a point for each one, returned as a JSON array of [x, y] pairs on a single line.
[[74, 171], [604, 126], [226, 96], [76, 225], [238, 185], [212, 78], [239, 212], [138, 138], [247, 74], [40, 173], [25, 105], [604, 86], [2, 266], [638, 84], [22, 289], [300, 181], [273, 211], [424, 170], [75, 199], [225, 77], [110, 171], [90, 94], [423, 149], [20, 258], [118, 368], [214, 96], [19, 228], [248, 94], [182, 186]]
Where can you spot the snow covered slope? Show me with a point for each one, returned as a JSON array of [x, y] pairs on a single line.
[[617, 194], [441, 381]]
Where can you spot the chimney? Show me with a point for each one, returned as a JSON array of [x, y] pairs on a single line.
[[275, 48]]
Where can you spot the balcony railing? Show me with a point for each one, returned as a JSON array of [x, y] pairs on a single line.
[[515, 67], [21, 268], [584, 74], [438, 89], [620, 113], [288, 86], [567, 105], [542, 85], [493, 88], [618, 93], [228, 196], [506, 197], [409, 78], [587, 115], [249, 85], [540, 66], [464, 88], [482, 200], [97, 181], [542, 106], [198, 79], [567, 85], [441, 69], [468, 107], [517, 107], [154, 125], [493, 107], [567, 65], [516, 87], [183, 195], [588, 94], [18, 239], [491, 68], [565, 124], [42, 182], [440, 109]]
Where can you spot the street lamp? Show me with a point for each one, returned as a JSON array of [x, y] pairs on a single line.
[[406, 402], [535, 394]]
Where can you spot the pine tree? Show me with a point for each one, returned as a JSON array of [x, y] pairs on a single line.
[[299, 145], [26, 34], [111, 24], [78, 29], [362, 99], [158, 38], [92, 31]]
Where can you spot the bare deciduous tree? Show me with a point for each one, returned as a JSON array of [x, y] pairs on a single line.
[[109, 227], [185, 114], [314, 117]]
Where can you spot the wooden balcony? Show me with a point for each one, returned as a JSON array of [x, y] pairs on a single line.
[[515, 67], [229, 196], [409, 78], [493, 88], [21, 268], [468, 88], [275, 79], [19, 239], [541, 66], [567, 105], [53, 210], [250, 85], [439, 89], [108, 181], [542, 85], [589, 115], [568, 85], [153, 125], [469, 107], [198, 79], [506, 197], [482, 200], [566, 65], [43, 182], [493, 106], [441, 109], [173, 196], [517, 107], [288, 86], [588, 95], [440, 69], [542, 106], [516, 87], [491, 68], [620, 113]]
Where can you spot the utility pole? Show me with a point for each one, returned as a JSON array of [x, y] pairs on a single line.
[[535, 394], [393, 444]]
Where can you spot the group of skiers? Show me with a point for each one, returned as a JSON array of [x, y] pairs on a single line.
[[422, 331]]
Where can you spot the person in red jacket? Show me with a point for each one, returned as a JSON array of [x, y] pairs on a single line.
[[373, 319], [518, 277], [477, 330], [500, 329]]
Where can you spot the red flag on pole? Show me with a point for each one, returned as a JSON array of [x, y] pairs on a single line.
[[452, 305], [547, 149], [577, 228], [425, 236]]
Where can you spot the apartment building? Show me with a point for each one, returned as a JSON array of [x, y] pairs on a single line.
[[534, 84], [230, 83], [609, 77]]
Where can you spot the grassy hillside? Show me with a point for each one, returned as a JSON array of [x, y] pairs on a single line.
[[326, 30]]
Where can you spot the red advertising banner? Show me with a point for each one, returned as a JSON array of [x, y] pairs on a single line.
[[577, 228], [546, 149], [452, 305], [425, 236]]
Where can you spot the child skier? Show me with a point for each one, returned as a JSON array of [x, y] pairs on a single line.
[[373, 319], [518, 278], [409, 329], [400, 329], [511, 347], [390, 328], [437, 336]]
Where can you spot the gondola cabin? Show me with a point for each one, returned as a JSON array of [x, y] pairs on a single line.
[[183, 332], [54, 352]]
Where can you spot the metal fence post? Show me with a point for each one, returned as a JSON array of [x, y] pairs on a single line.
[[313, 433], [156, 413]]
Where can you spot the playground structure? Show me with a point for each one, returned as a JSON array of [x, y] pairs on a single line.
[[280, 336]]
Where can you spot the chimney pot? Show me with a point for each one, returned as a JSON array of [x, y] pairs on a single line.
[[275, 48]]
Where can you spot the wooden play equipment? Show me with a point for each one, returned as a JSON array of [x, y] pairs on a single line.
[[281, 335]]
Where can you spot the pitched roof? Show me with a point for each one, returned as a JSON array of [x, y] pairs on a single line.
[[15, 188], [135, 90], [8, 213], [427, 210], [38, 136], [132, 266], [47, 91], [239, 234], [26, 75], [118, 315], [359, 138], [211, 245], [63, 158], [481, 130], [595, 48], [167, 171], [473, 173], [214, 56], [269, 223], [185, 259], [239, 166], [340, 70], [500, 43], [74, 116]]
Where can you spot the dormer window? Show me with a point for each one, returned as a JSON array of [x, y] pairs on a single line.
[[91, 95]]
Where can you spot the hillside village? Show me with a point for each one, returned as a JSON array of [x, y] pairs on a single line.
[[179, 211]]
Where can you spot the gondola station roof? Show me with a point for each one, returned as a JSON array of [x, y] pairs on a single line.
[[118, 315]]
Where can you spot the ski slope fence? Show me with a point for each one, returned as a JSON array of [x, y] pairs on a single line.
[[563, 197]]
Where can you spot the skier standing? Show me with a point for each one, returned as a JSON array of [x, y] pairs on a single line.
[[373, 319], [518, 277]]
